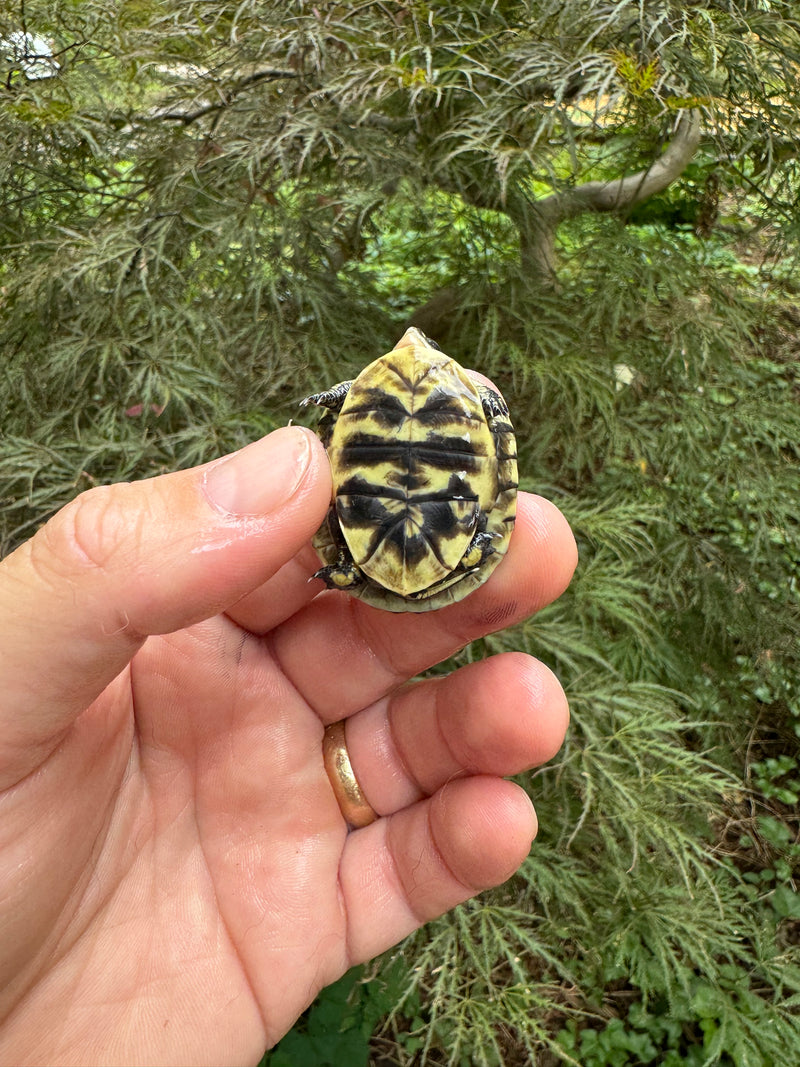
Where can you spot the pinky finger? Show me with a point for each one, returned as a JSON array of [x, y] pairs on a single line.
[[413, 866]]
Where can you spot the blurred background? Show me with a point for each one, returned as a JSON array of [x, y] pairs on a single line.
[[209, 210]]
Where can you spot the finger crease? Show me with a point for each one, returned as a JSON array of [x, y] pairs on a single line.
[[382, 656], [441, 859], [349, 961], [401, 758], [437, 711], [403, 890]]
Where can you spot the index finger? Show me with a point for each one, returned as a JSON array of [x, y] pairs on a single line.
[[341, 654]]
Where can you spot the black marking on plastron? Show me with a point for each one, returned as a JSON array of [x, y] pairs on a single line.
[[442, 459], [385, 408], [438, 497], [412, 549], [360, 485], [436, 451], [442, 495], [408, 481], [368, 449], [454, 444], [444, 453], [458, 488], [442, 408], [367, 512], [411, 384], [438, 521], [362, 510], [405, 485]]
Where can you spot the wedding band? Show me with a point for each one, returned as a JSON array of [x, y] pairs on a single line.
[[354, 806]]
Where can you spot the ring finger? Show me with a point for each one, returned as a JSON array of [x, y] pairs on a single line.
[[497, 717]]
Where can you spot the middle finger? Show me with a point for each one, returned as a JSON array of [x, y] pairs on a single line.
[[499, 717]]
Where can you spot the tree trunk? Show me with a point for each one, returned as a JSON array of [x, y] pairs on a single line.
[[538, 234]]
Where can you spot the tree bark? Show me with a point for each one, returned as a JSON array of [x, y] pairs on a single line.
[[538, 233]]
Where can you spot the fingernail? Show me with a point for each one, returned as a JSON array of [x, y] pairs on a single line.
[[261, 477]]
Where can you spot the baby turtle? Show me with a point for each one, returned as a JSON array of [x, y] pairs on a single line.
[[424, 470]]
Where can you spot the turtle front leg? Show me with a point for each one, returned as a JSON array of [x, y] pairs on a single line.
[[499, 422], [332, 398], [494, 407]]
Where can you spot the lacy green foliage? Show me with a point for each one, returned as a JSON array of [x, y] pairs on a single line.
[[215, 208]]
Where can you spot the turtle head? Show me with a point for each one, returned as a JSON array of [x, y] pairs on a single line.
[[413, 336]]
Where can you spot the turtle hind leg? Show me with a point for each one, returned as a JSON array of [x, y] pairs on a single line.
[[499, 421], [340, 570], [343, 574], [478, 551]]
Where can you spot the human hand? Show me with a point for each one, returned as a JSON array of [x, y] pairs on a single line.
[[177, 881]]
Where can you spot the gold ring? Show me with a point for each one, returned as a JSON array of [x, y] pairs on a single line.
[[353, 803]]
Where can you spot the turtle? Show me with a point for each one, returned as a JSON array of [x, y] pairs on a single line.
[[424, 468]]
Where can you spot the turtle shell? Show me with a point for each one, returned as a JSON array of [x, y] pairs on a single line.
[[424, 480]]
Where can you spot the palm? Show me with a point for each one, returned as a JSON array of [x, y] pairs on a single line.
[[241, 827], [208, 818]]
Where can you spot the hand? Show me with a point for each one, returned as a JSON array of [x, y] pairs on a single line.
[[176, 878]]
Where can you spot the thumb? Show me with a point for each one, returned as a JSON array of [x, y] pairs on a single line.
[[125, 561]]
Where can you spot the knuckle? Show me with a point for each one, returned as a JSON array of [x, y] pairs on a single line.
[[93, 531]]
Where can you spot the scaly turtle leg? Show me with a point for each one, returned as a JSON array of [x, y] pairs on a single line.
[[332, 400], [494, 406], [341, 572], [478, 551], [499, 422]]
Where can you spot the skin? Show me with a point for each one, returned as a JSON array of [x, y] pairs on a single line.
[[176, 879]]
